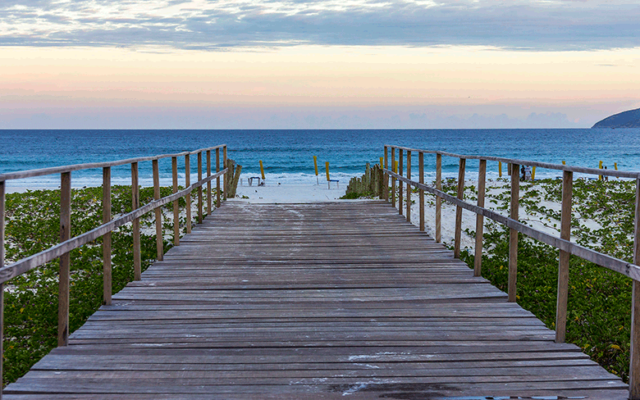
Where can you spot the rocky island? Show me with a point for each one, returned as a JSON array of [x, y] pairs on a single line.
[[627, 119]]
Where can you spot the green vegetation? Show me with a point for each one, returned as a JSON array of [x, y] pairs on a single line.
[[599, 307], [31, 300]]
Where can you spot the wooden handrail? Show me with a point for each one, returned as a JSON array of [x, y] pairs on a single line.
[[559, 167], [34, 261], [562, 243], [77, 167]]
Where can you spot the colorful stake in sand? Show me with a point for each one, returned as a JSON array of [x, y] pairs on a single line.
[[262, 170], [315, 165], [327, 167], [500, 169]]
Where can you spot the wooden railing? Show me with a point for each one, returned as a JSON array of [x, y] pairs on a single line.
[[563, 243], [67, 243]]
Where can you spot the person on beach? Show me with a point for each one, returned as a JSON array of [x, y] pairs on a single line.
[[606, 177]]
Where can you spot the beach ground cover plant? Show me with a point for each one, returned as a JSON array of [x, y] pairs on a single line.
[[31, 300], [599, 305]]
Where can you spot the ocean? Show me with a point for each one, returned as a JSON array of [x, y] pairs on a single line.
[[287, 155]]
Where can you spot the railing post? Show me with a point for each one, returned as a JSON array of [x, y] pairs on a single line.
[[438, 198], [2, 219], [200, 188], [209, 202], [158, 212], [634, 368], [106, 239], [224, 165], [409, 186], [135, 204], [65, 260], [458, 231], [563, 266], [400, 183], [513, 234], [385, 179], [482, 177], [393, 179], [421, 191], [218, 178], [187, 183], [176, 207]]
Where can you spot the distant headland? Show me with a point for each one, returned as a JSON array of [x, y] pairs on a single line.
[[627, 119]]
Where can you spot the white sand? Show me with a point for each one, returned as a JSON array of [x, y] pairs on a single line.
[[290, 193]]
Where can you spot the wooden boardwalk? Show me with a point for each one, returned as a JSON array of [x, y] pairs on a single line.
[[316, 301]]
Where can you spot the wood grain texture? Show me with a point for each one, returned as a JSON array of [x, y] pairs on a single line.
[[176, 207], [200, 199], [218, 190], [634, 369], [457, 240], [563, 266], [438, 199], [65, 260], [513, 234], [209, 201], [158, 212], [291, 301], [482, 178], [135, 204], [187, 183], [421, 191], [409, 188], [393, 180], [400, 182], [106, 239]]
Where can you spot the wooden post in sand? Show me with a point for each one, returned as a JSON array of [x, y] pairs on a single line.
[[438, 199], [187, 183], [513, 234], [634, 368], [393, 179], [65, 260], [400, 183], [409, 188], [209, 200], [176, 207], [158, 212], [421, 191], [106, 239], [563, 266], [458, 229], [482, 177], [135, 204]]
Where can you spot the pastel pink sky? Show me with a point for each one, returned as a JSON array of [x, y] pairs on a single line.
[[55, 75]]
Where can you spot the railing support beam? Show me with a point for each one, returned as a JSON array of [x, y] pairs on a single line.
[[176, 206], [513, 234], [135, 204], [458, 229], [482, 177], [65, 259], [421, 191], [158, 212], [400, 183], [634, 368], [563, 266], [106, 239], [438, 199]]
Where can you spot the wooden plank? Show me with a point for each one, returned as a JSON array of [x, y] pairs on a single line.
[[224, 166], [106, 239], [421, 191], [563, 267], [482, 177], [400, 183], [2, 255], [200, 199], [135, 204], [209, 197], [409, 188], [458, 226], [634, 368], [393, 180], [385, 181], [176, 209], [187, 183], [438, 199], [513, 234], [158, 212], [218, 190], [294, 301], [65, 261]]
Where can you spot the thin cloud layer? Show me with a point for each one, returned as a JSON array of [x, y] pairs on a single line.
[[217, 25]]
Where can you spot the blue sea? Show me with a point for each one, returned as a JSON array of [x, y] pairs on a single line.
[[287, 155]]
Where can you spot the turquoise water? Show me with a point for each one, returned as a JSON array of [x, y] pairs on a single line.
[[287, 154]]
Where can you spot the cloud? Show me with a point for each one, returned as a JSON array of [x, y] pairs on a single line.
[[208, 24]]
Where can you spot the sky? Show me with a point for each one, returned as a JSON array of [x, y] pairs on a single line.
[[203, 64]]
